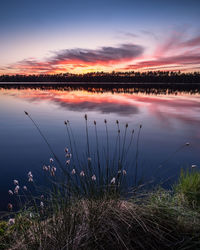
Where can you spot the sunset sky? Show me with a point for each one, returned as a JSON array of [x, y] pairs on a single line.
[[79, 36]]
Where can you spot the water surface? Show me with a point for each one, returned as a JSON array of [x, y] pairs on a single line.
[[169, 119]]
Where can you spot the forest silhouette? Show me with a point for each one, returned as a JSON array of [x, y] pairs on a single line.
[[126, 77]]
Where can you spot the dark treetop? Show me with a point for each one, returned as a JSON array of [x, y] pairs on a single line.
[[128, 77]]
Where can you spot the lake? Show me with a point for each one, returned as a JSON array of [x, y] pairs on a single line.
[[169, 118]]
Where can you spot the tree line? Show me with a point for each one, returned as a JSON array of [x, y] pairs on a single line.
[[130, 77]]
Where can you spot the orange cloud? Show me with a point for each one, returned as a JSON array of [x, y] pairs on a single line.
[[175, 53], [73, 59]]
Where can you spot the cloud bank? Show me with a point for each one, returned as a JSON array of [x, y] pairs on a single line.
[[176, 52], [69, 59]]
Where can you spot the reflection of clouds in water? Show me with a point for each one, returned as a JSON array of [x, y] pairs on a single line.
[[185, 118], [121, 109], [186, 111], [166, 117], [82, 101], [184, 108], [169, 100]]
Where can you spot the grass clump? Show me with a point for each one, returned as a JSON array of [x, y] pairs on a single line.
[[188, 188], [6, 231], [3, 228], [155, 222]]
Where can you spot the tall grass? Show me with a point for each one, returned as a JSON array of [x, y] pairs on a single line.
[[86, 205], [102, 171]]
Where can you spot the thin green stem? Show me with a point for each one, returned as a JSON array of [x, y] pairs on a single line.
[[137, 154], [124, 141], [107, 153], [98, 156], [44, 138]]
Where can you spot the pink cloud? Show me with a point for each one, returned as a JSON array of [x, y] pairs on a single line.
[[175, 53], [70, 58]]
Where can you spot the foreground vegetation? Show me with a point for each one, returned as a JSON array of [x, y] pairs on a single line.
[[87, 205], [160, 220]]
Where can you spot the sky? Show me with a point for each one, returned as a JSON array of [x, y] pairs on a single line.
[[80, 36]]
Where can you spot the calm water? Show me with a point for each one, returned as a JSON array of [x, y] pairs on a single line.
[[169, 119]]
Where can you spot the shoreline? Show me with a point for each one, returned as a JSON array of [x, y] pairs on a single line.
[[104, 85]]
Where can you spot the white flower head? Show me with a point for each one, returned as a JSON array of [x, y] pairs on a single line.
[[45, 168], [193, 166], [82, 174], [51, 160], [10, 192], [30, 174], [113, 180], [42, 204], [25, 188], [94, 177], [11, 222], [67, 162], [124, 172], [16, 182], [187, 143], [73, 171], [53, 169], [30, 179], [66, 150], [16, 190], [68, 155]]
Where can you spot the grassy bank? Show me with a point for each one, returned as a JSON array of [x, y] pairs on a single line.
[[157, 220], [89, 204]]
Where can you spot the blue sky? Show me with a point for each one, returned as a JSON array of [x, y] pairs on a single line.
[[37, 31]]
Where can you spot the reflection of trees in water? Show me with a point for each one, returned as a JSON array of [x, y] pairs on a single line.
[[164, 103], [117, 88]]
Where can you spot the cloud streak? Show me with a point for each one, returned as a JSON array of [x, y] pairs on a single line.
[[105, 55], [177, 52], [174, 52], [71, 58], [181, 60], [192, 42]]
